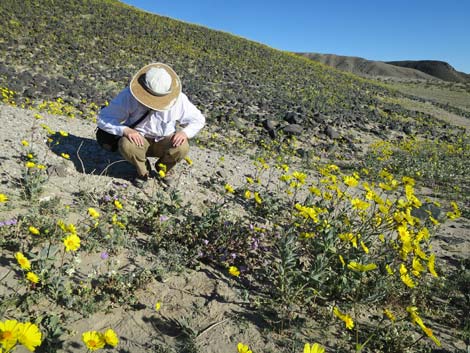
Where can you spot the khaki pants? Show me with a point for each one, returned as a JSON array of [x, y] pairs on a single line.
[[163, 149]]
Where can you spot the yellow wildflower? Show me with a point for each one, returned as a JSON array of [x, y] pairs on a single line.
[[33, 230], [32, 277], [30, 164], [25, 143], [350, 181], [249, 180], [111, 338], [29, 335], [72, 242], [23, 261], [349, 237], [390, 315], [234, 271], [188, 160], [355, 266], [93, 213], [93, 340], [341, 259], [229, 188], [359, 204], [364, 247], [3, 198], [431, 262], [117, 204], [258, 199], [348, 321], [65, 155], [314, 348], [8, 334], [243, 348], [63, 133], [158, 305], [389, 269], [247, 194]]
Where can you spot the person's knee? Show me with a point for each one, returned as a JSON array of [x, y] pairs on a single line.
[[178, 153]]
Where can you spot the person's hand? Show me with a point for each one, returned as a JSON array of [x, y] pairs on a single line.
[[179, 138], [134, 136]]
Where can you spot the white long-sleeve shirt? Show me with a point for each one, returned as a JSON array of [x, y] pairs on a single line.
[[125, 110]]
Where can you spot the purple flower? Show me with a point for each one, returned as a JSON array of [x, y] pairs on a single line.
[[254, 244], [233, 255], [107, 198], [164, 218], [104, 255], [2, 224], [205, 241]]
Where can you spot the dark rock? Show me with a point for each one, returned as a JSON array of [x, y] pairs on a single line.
[[292, 118], [272, 133], [426, 210], [239, 124], [293, 129], [332, 133], [407, 130], [57, 170], [269, 124]]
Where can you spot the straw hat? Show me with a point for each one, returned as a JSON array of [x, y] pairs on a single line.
[[156, 86]]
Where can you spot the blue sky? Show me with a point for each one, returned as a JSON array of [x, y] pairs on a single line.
[[376, 30]]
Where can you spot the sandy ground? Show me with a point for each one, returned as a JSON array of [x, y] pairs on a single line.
[[211, 303]]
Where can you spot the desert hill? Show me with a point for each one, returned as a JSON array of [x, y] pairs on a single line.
[[368, 68], [439, 69]]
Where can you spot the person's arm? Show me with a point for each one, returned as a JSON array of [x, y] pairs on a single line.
[[118, 111], [192, 118]]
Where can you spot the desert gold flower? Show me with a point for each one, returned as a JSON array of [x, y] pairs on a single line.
[[8, 334], [111, 338], [63, 133], [158, 305], [29, 335], [30, 164], [117, 204], [162, 167], [243, 348], [359, 204], [188, 160], [93, 340], [161, 173], [364, 247], [350, 181], [389, 269], [300, 177], [341, 259], [314, 348], [23, 261], [417, 267], [348, 321], [41, 166], [3, 198], [33, 230], [390, 315], [32, 277], [229, 188], [25, 143], [93, 213], [71, 242], [355, 266], [349, 237], [247, 194], [234, 271], [258, 199], [456, 212], [431, 263], [250, 180], [65, 155]]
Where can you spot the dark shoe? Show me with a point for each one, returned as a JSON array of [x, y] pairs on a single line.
[[140, 181]]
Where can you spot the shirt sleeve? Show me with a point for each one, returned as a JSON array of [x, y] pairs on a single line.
[[191, 117], [112, 117]]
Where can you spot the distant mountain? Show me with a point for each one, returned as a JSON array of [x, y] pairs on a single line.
[[439, 69], [369, 68], [421, 69]]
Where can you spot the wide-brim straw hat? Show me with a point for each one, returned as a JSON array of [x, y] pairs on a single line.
[[156, 99]]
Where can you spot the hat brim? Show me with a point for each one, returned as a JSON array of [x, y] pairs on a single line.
[[154, 102]]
